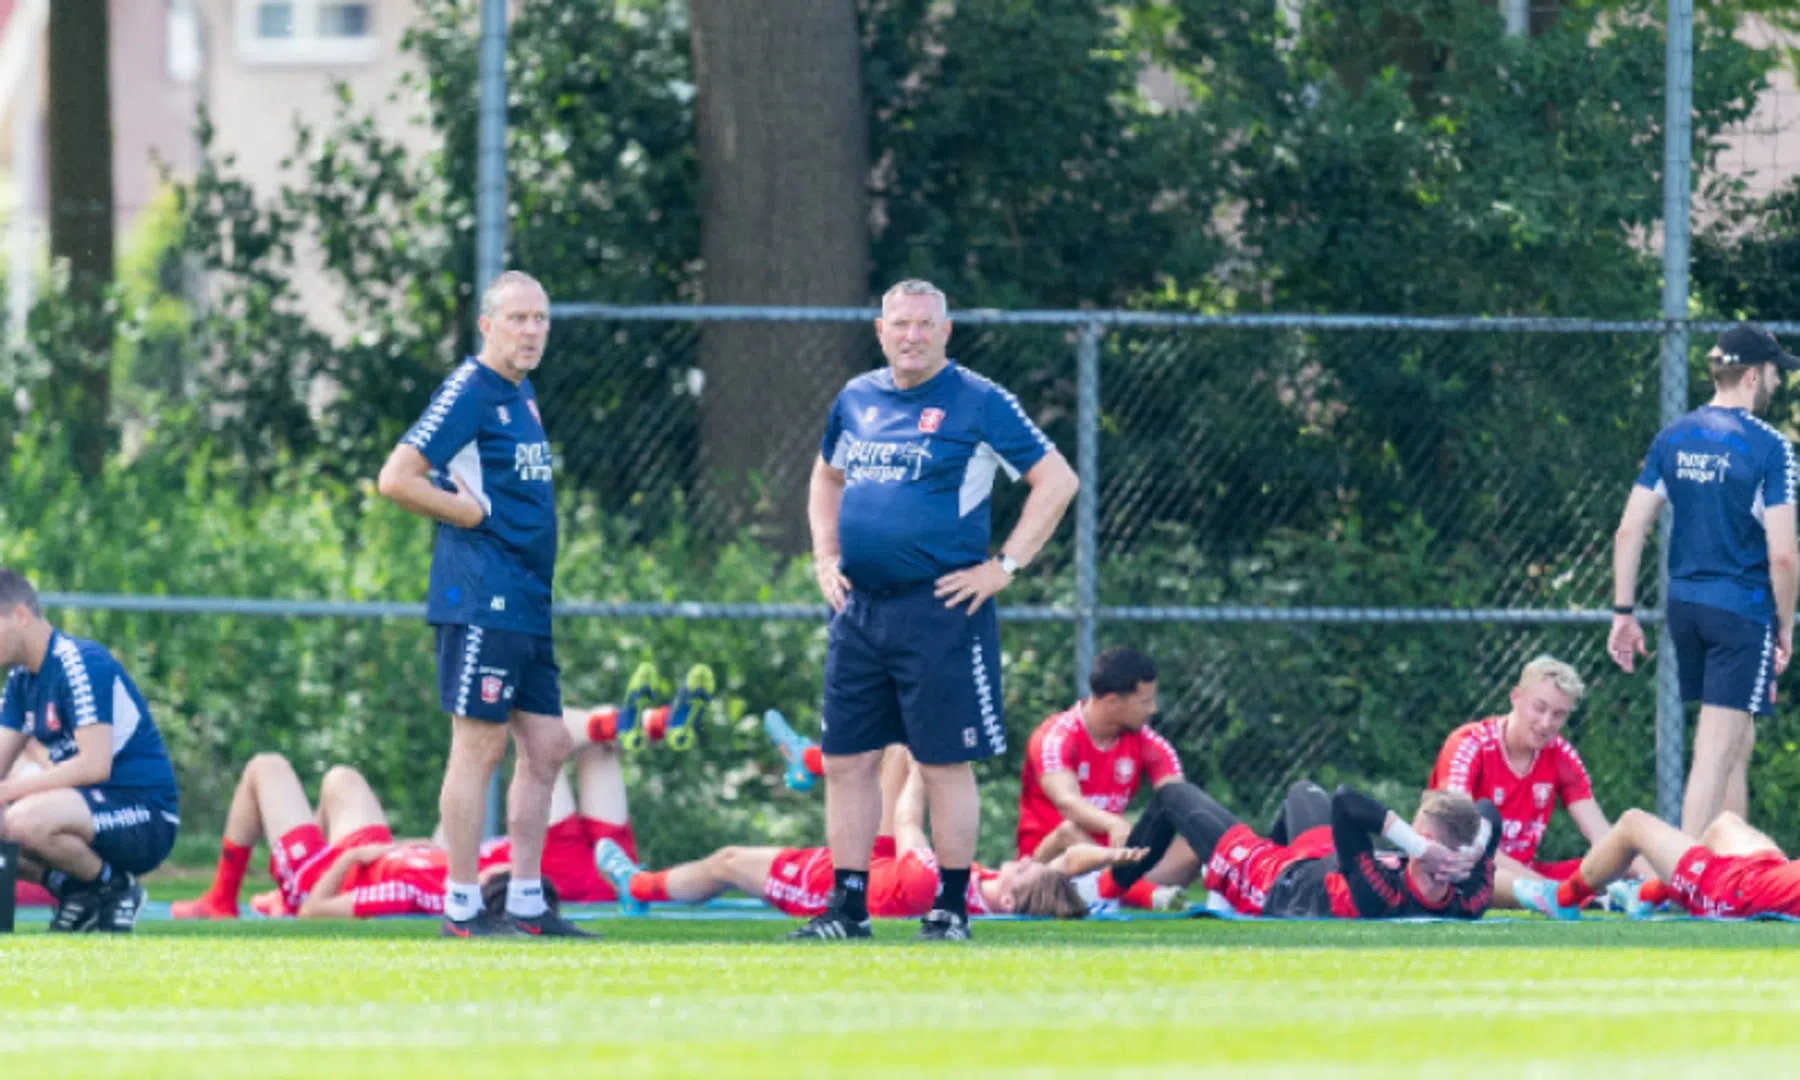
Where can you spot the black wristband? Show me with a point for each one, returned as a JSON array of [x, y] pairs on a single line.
[[1624, 609]]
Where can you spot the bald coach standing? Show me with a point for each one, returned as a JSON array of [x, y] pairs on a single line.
[[900, 512]]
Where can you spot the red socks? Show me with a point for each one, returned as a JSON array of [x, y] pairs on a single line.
[[1574, 892], [1653, 892], [1140, 895], [233, 862], [603, 724], [1109, 889], [814, 760], [651, 887]]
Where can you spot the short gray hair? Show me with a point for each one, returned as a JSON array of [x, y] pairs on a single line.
[[15, 590], [917, 287], [490, 296]]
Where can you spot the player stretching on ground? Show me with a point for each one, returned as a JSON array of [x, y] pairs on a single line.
[[1523, 764], [105, 808], [1734, 872], [1084, 765], [1330, 870], [479, 464], [351, 824], [1729, 479], [903, 878]]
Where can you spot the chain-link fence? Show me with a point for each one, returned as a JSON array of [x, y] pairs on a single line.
[[1339, 537]]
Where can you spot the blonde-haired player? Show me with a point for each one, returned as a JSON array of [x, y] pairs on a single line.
[[1522, 763]]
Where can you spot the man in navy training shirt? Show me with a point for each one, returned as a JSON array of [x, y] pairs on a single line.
[[105, 809], [900, 512], [1729, 479], [478, 463]]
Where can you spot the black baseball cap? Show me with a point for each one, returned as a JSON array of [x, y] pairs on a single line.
[[1753, 346]]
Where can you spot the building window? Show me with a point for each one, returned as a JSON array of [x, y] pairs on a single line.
[[274, 21], [343, 20], [305, 31]]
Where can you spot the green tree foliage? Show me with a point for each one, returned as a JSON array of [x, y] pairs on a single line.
[[1381, 156]]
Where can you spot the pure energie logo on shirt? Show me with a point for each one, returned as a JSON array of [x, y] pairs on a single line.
[[532, 460], [881, 462], [1701, 468]]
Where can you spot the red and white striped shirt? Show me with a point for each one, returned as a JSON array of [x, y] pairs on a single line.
[[1108, 778], [1473, 761]]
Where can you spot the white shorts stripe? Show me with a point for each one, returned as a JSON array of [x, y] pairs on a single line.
[[466, 677]]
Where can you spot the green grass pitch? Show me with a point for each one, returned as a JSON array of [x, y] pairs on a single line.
[[717, 999]]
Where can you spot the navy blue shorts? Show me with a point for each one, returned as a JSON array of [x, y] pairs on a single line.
[[1724, 659], [900, 667], [486, 674], [132, 829]]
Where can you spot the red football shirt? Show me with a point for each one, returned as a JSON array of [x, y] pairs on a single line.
[[1473, 761], [1108, 778]]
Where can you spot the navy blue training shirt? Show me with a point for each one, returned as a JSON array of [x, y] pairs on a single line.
[[486, 430], [78, 684], [919, 470], [1720, 469]]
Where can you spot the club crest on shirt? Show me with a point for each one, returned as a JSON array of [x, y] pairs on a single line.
[[490, 688], [505, 416], [1540, 793], [1122, 770], [930, 420], [1499, 796], [1081, 771]]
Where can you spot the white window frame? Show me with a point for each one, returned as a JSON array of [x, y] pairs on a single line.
[[306, 46]]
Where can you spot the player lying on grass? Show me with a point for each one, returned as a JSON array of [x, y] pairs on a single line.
[[350, 828], [1524, 765], [1084, 765], [1161, 890], [903, 876], [1322, 862], [1733, 872]]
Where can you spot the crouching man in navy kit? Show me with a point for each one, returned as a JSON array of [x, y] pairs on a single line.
[[105, 809], [479, 464], [900, 512]]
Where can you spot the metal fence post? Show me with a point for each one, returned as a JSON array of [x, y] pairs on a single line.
[[490, 230], [1087, 501], [1671, 722], [490, 159]]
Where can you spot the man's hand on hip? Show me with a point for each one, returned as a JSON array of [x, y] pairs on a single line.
[[832, 582], [974, 586], [473, 513]]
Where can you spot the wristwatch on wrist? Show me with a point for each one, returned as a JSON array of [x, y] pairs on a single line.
[[1008, 564]]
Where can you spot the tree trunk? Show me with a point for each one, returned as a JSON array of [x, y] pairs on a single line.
[[784, 164], [81, 221]]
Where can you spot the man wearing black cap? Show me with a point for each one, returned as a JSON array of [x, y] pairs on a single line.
[[1729, 478]]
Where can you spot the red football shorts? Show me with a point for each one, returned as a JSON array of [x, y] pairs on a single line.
[[799, 881], [1244, 866], [1729, 886]]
